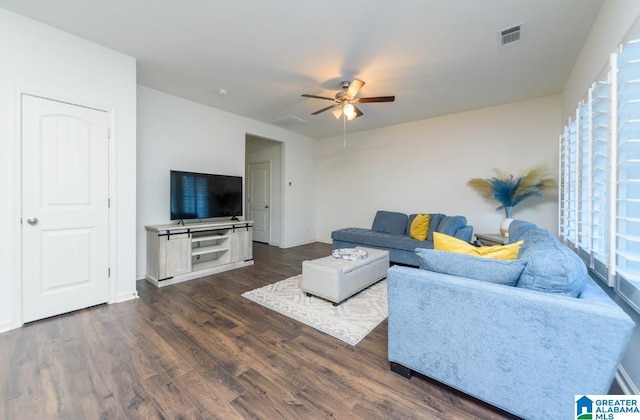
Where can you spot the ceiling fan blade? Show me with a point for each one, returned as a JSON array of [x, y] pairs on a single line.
[[317, 97], [337, 113], [354, 88], [324, 109], [376, 99]]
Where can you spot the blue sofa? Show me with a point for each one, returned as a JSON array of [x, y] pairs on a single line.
[[524, 335], [390, 231]]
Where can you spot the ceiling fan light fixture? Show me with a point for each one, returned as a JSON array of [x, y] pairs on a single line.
[[349, 111], [337, 113]]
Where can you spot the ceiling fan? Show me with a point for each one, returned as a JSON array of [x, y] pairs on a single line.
[[345, 100]]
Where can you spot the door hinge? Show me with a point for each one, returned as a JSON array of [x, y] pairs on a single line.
[[108, 134], [108, 203], [109, 272]]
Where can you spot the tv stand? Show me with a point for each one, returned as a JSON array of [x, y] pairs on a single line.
[[179, 253]]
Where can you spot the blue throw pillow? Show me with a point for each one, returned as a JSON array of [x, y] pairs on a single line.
[[434, 222], [505, 272], [390, 222], [551, 266], [450, 225]]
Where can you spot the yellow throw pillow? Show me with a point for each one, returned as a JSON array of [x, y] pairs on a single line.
[[419, 227], [442, 242]]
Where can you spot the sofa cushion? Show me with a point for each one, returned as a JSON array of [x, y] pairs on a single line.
[[367, 237], [517, 228], [434, 222], [551, 266], [442, 242], [390, 222], [450, 225], [505, 272], [419, 227]]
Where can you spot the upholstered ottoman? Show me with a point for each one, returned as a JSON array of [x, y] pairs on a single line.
[[336, 279]]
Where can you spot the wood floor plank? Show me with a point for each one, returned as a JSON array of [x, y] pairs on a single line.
[[274, 395], [285, 362], [209, 398], [169, 398], [159, 350], [202, 363], [120, 378], [250, 406]]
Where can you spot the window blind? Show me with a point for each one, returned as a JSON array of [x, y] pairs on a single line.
[[568, 184], [583, 221], [599, 199], [600, 135], [628, 174]]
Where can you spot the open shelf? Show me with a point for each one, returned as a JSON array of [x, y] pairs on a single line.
[[213, 244], [210, 237], [209, 249]]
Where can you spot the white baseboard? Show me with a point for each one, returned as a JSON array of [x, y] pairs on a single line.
[[297, 244], [123, 297], [7, 326]]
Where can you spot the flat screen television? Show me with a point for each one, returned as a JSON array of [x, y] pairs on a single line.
[[202, 196]]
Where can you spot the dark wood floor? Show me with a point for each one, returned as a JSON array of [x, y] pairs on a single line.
[[200, 350]]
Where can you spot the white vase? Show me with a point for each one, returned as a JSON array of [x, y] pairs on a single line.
[[504, 226]]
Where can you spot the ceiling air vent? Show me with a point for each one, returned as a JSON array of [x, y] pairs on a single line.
[[510, 35], [288, 121]]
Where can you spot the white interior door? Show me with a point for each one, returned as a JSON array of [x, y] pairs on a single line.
[[65, 216], [259, 196]]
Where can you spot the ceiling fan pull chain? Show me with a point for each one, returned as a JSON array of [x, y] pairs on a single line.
[[344, 130]]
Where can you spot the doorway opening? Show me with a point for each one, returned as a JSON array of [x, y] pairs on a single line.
[[263, 184]]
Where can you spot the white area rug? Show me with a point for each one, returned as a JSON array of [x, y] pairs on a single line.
[[350, 321]]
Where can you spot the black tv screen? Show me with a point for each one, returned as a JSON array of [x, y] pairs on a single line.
[[201, 196]]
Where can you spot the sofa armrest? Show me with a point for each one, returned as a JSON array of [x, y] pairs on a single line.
[[524, 351]]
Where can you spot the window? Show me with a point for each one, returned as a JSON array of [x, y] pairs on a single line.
[[628, 174], [568, 184], [600, 175]]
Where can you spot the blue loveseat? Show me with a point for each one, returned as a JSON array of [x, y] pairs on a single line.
[[524, 335], [390, 231]]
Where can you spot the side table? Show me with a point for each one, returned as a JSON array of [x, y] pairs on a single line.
[[489, 239]]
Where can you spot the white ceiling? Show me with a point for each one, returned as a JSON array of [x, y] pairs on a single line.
[[436, 56]]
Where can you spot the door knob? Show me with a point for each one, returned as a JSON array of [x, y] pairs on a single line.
[[32, 221], [266, 207]]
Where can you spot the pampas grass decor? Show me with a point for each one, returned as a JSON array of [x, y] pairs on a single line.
[[510, 190]]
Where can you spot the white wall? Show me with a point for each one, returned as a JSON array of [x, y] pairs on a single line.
[[46, 61], [174, 133], [424, 166]]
